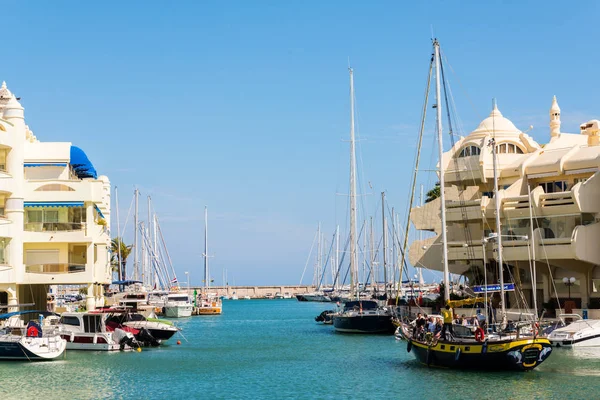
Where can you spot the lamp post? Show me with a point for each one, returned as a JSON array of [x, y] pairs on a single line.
[[568, 283], [187, 274]]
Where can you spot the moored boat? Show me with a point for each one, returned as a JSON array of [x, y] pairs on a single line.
[[363, 317], [178, 305], [89, 331], [30, 342], [578, 333]]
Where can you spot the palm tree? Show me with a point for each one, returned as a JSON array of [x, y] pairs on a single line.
[[433, 193], [118, 265]]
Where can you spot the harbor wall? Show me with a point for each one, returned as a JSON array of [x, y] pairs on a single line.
[[256, 292]]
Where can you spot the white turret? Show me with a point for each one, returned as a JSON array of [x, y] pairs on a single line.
[[554, 118], [13, 109]]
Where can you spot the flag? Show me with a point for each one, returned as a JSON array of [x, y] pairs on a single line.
[[174, 280]]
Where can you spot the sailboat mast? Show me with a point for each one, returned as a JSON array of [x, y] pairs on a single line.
[[436, 47], [121, 272], [206, 274], [384, 225], [135, 237], [372, 258], [353, 258], [337, 255], [497, 209], [420, 239], [532, 241], [318, 266]]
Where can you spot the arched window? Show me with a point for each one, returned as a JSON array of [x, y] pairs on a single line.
[[470, 151], [508, 148], [55, 187]]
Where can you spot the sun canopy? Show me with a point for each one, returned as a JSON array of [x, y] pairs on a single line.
[[125, 282], [81, 164], [12, 314], [27, 164], [465, 302], [53, 204]]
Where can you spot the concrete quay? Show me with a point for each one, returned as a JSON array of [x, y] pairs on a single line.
[[256, 292]]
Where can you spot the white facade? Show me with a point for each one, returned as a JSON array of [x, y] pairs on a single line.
[[54, 217], [556, 185]]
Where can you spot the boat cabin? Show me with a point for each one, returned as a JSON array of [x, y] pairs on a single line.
[[82, 322]]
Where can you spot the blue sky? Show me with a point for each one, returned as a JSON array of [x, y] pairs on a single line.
[[242, 106]]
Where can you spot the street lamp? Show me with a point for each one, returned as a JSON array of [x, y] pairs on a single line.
[[568, 283], [187, 274]]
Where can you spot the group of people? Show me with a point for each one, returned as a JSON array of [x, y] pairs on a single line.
[[441, 327]]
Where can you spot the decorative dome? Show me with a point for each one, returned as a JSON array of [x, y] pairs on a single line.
[[5, 95], [497, 124]]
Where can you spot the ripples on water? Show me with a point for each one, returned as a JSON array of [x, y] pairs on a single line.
[[272, 349]]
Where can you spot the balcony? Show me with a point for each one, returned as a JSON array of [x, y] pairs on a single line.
[[56, 232], [464, 251], [54, 226], [560, 203], [471, 210], [55, 268]]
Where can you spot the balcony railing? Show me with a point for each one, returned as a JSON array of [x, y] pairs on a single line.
[[61, 268], [53, 226]]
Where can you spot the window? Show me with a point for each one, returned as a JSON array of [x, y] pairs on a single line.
[[509, 148], [55, 187], [554, 186], [50, 215], [470, 151], [34, 216], [69, 321]]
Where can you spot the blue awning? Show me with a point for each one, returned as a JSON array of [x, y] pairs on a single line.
[[27, 164], [81, 164], [125, 282], [53, 204], [98, 211]]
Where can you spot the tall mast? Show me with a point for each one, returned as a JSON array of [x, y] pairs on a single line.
[[121, 272], [384, 225], [151, 248], [372, 258], [318, 266], [532, 241], [206, 274], [135, 237], [420, 239], [337, 255], [497, 209], [353, 258], [436, 47]]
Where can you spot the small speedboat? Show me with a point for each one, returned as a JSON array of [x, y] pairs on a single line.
[[326, 317], [578, 333]]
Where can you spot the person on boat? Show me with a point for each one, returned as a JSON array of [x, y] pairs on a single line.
[[447, 327], [439, 328], [431, 325], [465, 320]]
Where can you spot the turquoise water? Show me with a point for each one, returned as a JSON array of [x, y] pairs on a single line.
[[273, 349]]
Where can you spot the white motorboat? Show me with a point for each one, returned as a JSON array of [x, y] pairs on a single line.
[[178, 305], [579, 333], [88, 331]]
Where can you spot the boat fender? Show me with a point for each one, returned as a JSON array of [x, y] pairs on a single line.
[[409, 346], [457, 354], [72, 338], [479, 335], [536, 329], [95, 340], [32, 331]]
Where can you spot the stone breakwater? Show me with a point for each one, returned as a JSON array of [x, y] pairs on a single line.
[[257, 292]]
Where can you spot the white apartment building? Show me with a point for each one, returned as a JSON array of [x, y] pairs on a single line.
[[555, 186], [54, 215]]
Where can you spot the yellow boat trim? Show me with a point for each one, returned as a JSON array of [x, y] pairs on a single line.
[[446, 347]]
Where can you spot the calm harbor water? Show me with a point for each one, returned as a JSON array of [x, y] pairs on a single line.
[[273, 349]]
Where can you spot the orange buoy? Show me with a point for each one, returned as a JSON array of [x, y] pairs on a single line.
[[179, 342]]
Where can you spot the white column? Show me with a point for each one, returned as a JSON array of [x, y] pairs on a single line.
[[12, 298], [90, 304], [14, 113]]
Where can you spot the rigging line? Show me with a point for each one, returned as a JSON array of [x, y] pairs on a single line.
[[308, 258], [414, 178], [326, 262], [462, 203], [162, 239]]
